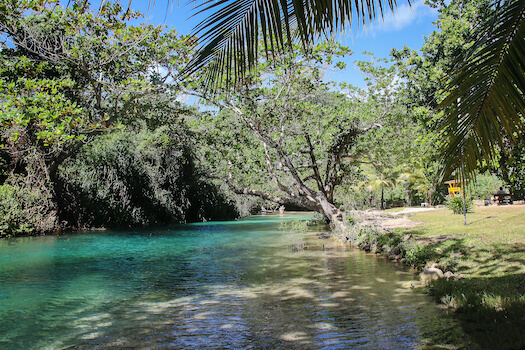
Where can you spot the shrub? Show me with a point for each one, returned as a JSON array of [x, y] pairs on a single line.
[[24, 211], [417, 255], [485, 186], [137, 178], [456, 205]]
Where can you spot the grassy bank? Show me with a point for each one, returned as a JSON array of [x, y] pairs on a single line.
[[484, 262]]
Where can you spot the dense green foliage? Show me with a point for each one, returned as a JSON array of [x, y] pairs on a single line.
[[458, 205], [461, 36], [512, 169], [25, 209], [484, 186], [485, 102], [130, 178], [94, 133], [68, 77]]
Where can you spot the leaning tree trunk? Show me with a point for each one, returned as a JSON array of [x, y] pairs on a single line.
[[335, 215], [315, 201]]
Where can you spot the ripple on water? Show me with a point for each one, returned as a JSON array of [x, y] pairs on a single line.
[[214, 285]]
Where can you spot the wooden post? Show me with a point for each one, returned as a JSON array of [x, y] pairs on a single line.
[[464, 187]]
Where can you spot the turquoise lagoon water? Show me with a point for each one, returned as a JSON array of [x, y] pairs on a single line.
[[219, 285]]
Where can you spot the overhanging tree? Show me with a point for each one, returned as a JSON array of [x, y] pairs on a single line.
[[486, 101], [285, 137], [67, 76]]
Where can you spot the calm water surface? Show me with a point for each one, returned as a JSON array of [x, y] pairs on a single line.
[[235, 285]]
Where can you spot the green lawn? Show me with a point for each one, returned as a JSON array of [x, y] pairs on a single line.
[[487, 225], [487, 257], [492, 243]]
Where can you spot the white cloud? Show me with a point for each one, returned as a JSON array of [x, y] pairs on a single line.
[[403, 16]]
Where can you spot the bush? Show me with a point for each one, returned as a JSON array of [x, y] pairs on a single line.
[[417, 255], [512, 169], [137, 178], [456, 205], [24, 211]]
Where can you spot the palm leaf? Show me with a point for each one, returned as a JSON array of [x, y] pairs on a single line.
[[229, 36], [486, 102]]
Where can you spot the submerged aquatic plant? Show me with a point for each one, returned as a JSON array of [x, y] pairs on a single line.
[[294, 232]]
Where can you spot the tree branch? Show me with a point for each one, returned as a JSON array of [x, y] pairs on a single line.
[[317, 176], [272, 172]]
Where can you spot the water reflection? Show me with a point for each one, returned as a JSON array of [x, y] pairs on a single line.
[[214, 285]]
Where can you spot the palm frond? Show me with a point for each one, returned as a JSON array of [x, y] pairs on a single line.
[[486, 102], [229, 37]]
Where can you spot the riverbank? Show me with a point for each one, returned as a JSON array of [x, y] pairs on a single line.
[[483, 264]]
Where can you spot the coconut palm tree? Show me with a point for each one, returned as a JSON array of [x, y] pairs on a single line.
[[229, 38], [486, 103], [379, 177]]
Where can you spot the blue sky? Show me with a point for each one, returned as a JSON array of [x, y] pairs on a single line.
[[409, 27]]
